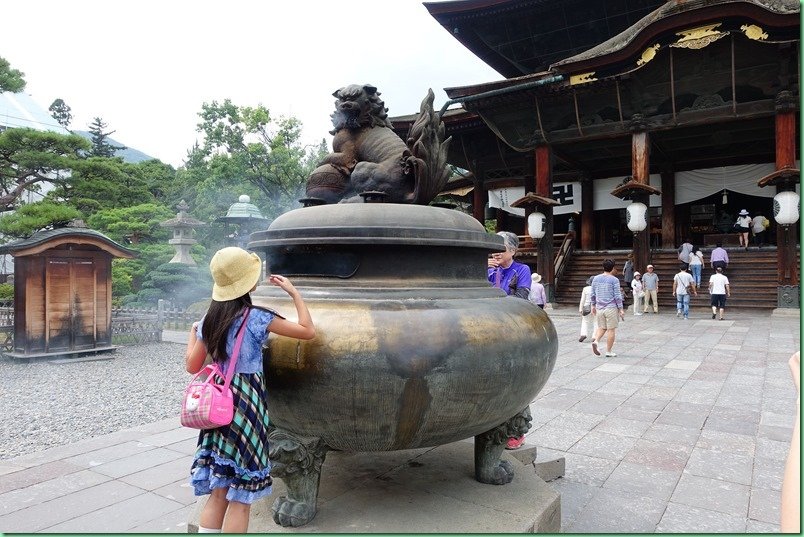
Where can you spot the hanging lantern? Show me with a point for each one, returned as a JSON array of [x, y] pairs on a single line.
[[636, 217], [786, 207], [537, 225], [725, 199]]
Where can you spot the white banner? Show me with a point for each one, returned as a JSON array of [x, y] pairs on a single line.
[[690, 186], [569, 194]]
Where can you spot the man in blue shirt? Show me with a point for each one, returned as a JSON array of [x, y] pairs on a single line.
[[607, 307]]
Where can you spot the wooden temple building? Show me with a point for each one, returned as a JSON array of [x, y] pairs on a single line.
[[690, 107]]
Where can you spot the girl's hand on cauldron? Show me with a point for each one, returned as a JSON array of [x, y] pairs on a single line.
[[283, 283]]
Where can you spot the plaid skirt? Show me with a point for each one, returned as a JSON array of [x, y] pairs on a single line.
[[236, 456]]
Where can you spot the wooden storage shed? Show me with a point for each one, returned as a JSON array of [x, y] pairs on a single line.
[[63, 292]]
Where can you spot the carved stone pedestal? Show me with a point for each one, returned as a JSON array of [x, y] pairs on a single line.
[[417, 491]]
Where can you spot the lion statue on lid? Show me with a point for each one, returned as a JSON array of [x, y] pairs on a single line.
[[369, 157]]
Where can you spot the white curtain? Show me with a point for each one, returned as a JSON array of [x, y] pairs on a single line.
[[696, 184], [690, 186]]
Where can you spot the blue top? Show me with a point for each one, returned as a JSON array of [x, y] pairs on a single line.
[[606, 292], [521, 270], [250, 358]]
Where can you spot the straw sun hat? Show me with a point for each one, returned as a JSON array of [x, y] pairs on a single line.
[[235, 272]]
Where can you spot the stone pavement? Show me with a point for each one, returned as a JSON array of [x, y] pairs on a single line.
[[686, 430]]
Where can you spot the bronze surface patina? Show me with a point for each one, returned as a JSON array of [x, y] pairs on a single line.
[[413, 347], [368, 156]]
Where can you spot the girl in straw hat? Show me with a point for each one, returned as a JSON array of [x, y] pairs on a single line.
[[231, 462]]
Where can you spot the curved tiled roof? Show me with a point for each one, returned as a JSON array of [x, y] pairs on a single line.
[[40, 240], [674, 7]]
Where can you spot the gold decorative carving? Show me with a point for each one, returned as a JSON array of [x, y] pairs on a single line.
[[698, 38], [582, 78], [648, 55], [752, 31]]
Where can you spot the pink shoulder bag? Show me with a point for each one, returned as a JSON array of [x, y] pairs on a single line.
[[207, 405]]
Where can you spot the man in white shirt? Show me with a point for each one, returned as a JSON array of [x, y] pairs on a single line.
[[719, 290], [683, 283]]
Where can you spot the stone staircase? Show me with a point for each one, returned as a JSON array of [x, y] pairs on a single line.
[[752, 277]]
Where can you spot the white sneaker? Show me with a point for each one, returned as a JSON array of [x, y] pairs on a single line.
[[678, 313], [611, 354]]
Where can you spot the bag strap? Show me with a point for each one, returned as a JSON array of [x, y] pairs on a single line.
[[236, 351]]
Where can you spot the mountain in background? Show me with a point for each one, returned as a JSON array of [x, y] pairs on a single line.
[[132, 156]]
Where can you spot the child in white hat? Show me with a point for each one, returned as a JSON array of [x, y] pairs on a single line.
[[638, 292]]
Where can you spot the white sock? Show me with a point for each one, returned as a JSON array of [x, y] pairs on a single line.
[[202, 529]]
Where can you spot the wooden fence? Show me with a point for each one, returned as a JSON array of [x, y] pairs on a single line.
[[6, 325]]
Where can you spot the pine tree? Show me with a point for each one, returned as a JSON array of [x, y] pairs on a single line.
[[61, 113], [100, 147]]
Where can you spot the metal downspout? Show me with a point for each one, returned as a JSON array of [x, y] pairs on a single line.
[[500, 91]]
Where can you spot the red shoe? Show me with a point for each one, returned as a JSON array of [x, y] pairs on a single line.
[[515, 443]]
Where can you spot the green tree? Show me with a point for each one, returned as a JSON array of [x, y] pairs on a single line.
[[176, 282], [100, 146], [10, 79], [134, 225], [61, 113], [29, 158], [100, 183], [129, 274], [159, 179], [33, 217], [244, 148]]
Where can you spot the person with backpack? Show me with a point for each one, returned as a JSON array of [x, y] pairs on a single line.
[[683, 285], [758, 226], [684, 252], [231, 462]]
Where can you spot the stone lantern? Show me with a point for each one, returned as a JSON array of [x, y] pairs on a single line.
[[182, 240]]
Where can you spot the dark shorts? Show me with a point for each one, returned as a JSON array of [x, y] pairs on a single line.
[[719, 301], [721, 264]]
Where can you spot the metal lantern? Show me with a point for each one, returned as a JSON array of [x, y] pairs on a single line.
[[537, 225], [636, 217], [786, 207]]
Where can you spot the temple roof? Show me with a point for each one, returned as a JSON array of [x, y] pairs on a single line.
[[45, 240], [521, 37], [672, 9]]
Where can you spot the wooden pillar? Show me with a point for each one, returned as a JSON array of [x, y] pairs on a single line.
[[786, 236], [668, 209], [587, 215], [543, 167], [479, 199], [640, 170]]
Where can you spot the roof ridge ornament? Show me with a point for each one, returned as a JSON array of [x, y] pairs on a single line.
[[752, 31], [699, 37], [648, 54]]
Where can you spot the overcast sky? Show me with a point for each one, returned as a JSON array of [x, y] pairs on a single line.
[[146, 67]]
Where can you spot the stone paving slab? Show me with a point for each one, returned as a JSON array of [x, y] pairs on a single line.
[[687, 430]]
